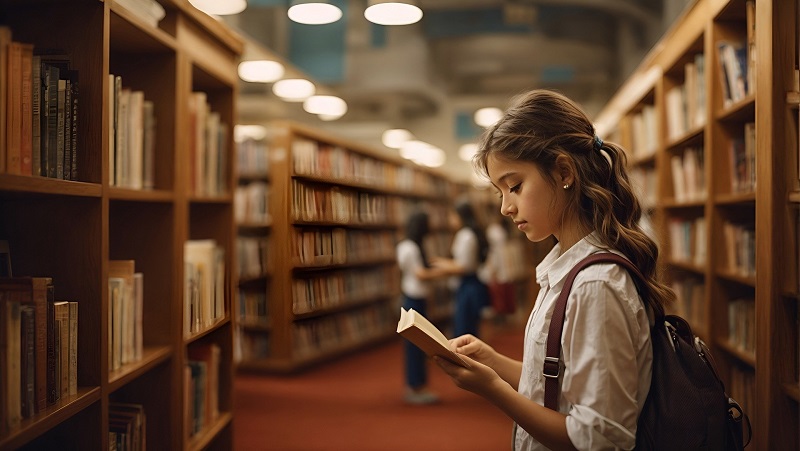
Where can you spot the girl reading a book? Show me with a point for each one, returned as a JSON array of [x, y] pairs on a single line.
[[556, 177], [416, 272]]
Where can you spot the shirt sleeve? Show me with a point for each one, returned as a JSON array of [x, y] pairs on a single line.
[[601, 353]]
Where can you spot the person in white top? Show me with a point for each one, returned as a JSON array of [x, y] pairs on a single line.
[[470, 249], [498, 270], [415, 272], [557, 178]]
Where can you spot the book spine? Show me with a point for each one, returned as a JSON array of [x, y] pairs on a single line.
[[74, 131], [49, 132], [67, 173], [61, 100], [73, 348], [26, 130], [14, 124], [27, 349], [53, 395], [36, 115]]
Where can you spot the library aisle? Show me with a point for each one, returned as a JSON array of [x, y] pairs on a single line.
[[356, 403]]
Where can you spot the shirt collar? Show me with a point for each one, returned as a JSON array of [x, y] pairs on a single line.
[[555, 266]]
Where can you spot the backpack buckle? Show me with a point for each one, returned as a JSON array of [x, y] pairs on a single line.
[[550, 367]]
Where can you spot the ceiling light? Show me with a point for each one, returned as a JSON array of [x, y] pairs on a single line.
[[293, 89], [242, 132], [220, 7], [467, 151], [331, 107], [260, 71], [486, 117], [396, 137], [314, 12], [384, 12]]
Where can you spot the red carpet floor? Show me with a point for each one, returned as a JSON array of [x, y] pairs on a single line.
[[356, 403]]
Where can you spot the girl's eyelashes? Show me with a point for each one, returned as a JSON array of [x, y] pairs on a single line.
[[515, 188]]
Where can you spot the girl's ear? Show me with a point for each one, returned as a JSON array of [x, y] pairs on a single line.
[[565, 170]]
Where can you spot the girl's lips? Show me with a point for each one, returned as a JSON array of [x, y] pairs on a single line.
[[521, 225]]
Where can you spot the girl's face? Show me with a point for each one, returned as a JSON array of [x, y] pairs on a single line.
[[527, 197]]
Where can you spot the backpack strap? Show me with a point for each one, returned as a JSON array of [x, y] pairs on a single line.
[[551, 368]]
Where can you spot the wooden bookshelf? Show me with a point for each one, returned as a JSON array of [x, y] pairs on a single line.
[[747, 166], [71, 230], [342, 296]]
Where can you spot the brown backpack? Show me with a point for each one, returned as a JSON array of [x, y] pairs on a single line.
[[687, 407]]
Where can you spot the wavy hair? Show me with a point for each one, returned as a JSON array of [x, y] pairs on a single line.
[[543, 125]]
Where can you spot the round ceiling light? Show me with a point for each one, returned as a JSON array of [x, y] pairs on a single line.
[[486, 117], [314, 12], [327, 107], [260, 71], [392, 13], [294, 89], [467, 151], [396, 137], [220, 7]]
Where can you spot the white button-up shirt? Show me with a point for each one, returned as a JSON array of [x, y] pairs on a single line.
[[409, 260], [606, 355]]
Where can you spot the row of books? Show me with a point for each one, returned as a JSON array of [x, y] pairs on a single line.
[[644, 179], [38, 348], [132, 136], [252, 255], [312, 158], [640, 130], [690, 302], [251, 347], [743, 160], [740, 248], [201, 384], [316, 336], [252, 157], [204, 285], [38, 110], [127, 427], [208, 148], [342, 287], [742, 324], [314, 203], [686, 103], [688, 240], [251, 203], [125, 313], [688, 175], [253, 308], [314, 247]]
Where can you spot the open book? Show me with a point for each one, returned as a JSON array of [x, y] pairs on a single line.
[[418, 330]]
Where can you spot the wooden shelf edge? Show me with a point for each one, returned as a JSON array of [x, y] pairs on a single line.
[[118, 193], [31, 428], [151, 357], [210, 329], [745, 357], [792, 390], [204, 437], [44, 185]]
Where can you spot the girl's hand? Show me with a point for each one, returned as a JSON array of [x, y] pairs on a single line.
[[478, 378], [473, 347]]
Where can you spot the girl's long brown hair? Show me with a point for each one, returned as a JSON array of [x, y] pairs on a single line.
[[542, 125]]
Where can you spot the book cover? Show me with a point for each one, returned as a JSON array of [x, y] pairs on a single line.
[[418, 330]]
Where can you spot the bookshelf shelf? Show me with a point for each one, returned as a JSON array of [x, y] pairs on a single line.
[[362, 207], [203, 440], [749, 145], [151, 357], [792, 391], [113, 212], [745, 357]]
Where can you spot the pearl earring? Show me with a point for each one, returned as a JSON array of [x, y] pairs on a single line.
[[566, 186]]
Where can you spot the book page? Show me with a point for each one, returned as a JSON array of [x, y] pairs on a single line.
[[418, 330]]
